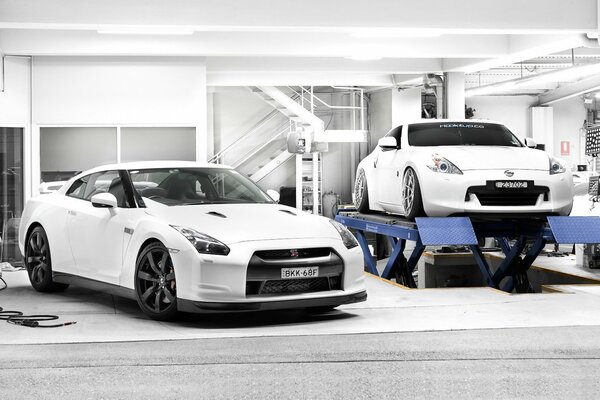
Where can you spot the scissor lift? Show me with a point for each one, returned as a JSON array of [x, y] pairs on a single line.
[[520, 239]]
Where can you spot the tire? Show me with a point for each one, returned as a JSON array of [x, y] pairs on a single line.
[[412, 201], [361, 194], [155, 288], [38, 262]]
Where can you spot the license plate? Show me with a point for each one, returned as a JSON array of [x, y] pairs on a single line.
[[512, 184], [303, 272]]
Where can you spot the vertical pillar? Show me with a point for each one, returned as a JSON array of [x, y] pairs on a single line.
[[299, 181], [542, 127], [455, 95]]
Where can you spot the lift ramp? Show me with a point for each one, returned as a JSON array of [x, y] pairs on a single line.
[[521, 240]]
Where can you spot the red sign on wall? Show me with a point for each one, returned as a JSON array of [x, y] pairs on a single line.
[[565, 148]]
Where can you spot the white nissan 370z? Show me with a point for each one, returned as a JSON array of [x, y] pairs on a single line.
[[180, 236], [440, 168]]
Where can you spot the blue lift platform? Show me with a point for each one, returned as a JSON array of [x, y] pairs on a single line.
[[520, 239]]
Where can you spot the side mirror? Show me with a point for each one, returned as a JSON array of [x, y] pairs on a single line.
[[387, 143], [104, 200], [529, 142], [274, 195]]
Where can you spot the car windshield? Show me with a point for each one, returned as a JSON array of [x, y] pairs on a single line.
[[186, 186], [461, 134]]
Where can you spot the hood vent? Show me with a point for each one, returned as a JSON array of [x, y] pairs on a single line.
[[289, 212], [217, 214]]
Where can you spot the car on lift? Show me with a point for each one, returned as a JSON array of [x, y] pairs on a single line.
[[440, 168], [183, 236]]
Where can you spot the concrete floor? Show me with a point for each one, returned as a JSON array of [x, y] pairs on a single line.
[[466, 343]]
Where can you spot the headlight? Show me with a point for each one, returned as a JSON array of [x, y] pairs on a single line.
[[347, 237], [441, 164], [556, 167], [203, 243]]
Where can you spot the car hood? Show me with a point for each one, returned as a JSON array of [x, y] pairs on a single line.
[[491, 157], [233, 223]]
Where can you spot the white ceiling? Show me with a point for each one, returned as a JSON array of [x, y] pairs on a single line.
[[315, 42]]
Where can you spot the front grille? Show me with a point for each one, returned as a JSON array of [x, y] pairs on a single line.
[[291, 286], [288, 253], [263, 276], [507, 197]]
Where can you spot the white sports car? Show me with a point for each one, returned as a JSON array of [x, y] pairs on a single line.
[[180, 236], [442, 168]]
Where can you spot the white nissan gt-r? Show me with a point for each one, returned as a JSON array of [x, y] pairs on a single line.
[[181, 236], [442, 168]]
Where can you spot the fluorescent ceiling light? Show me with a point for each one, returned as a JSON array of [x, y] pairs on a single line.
[[144, 30], [396, 33], [365, 57]]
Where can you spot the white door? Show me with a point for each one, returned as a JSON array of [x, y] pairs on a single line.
[[98, 236]]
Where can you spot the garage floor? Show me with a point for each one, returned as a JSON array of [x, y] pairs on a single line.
[[414, 342]]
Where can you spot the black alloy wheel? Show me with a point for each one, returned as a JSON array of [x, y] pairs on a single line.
[[155, 287], [39, 263]]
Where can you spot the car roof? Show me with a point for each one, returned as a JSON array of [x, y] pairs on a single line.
[[154, 164], [447, 120]]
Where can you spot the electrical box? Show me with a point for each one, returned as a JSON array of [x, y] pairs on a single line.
[[298, 142]]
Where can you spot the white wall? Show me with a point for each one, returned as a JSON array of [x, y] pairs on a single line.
[[512, 111], [568, 121], [119, 91]]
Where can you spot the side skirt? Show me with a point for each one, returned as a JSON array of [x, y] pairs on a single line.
[[93, 284]]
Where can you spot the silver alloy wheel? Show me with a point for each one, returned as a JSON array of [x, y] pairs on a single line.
[[408, 191], [359, 188]]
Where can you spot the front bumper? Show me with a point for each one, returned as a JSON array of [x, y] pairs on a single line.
[[207, 307], [219, 283], [446, 194]]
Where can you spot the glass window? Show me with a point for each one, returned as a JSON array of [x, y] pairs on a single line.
[[185, 186], [77, 189], [461, 134], [100, 182], [154, 143], [65, 151], [11, 192]]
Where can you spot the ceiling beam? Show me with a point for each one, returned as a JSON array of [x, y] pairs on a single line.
[[572, 90], [460, 15]]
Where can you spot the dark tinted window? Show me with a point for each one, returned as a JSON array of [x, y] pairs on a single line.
[[461, 134], [185, 186]]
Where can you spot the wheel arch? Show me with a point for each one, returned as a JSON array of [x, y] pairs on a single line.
[[367, 165]]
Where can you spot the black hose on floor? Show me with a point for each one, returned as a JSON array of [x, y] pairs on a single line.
[[32, 321]]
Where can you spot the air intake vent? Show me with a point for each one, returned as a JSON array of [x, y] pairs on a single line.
[[217, 214], [289, 212]]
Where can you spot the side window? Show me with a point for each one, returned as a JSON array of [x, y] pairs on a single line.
[[107, 181], [77, 189]]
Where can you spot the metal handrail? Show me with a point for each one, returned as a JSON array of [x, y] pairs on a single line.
[[248, 155], [250, 132], [312, 96]]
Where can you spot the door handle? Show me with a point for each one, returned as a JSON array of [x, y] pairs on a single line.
[[71, 212]]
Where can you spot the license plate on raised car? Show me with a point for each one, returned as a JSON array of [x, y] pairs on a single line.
[[303, 272], [512, 184]]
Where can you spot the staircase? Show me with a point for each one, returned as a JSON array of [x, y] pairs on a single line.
[[301, 106], [296, 109]]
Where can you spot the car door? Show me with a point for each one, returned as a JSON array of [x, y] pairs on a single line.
[[99, 236], [387, 172]]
